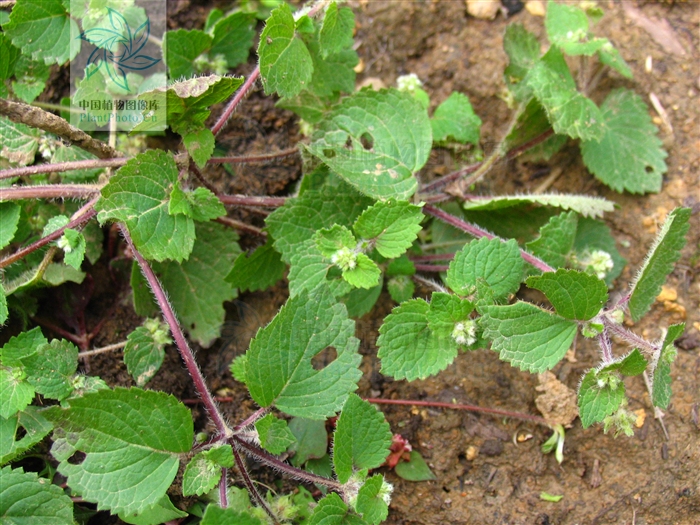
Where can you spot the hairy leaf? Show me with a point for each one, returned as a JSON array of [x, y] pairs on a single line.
[[391, 225], [556, 239], [661, 367], [233, 38], [275, 436], [18, 142], [27, 498], [574, 295], [201, 204], [337, 28], [311, 440], [455, 119], [182, 47], [332, 511], [583, 204], [143, 353], [203, 471], [9, 218], [215, 515], [200, 146], [51, 368], [371, 502], [567, 27], [20, 432], [523, 50], [599, 395]]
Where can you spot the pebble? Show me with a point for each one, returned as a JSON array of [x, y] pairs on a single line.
[[535, 8], [492, 447], [485, 9]]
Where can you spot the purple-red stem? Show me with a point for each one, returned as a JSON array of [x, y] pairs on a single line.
[[247, 85], [179, 337], [49, 191], [60, 167], [431, 267], [630, 337], [432, 257], [479, 233], [260, 412], [242, 200], [252, 159], [223, 492], [605, 346], [249, 482]]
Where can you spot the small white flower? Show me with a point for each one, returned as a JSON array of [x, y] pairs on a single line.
[[408, 82], [464, 333]]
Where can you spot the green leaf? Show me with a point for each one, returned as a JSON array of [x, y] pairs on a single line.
[[408, 349], [574, 295], [415, 469], [197, 287], [42, 29], [309, 106], [567, 27], [331, 240], [373, 500], [401, 288], [308, 268], [138, 194], [600, 394], [531, 123], [30, 425], [554, 498], [526, 336], [569, 111], [51, 368], [200, 146], [25, 498], [659, 262], [583, 204], [181, 47], [143, 353], [279, 369], [498, 263], [446, 311], [275, 436], [56, 274], [311, 440], [4, 312], [257, 271], [9, 218], [233, 38], [556, 239], [285, 63], [203, 471], [523, 50], [18, 142], [592, 235], [365, 273], [163, 511], [8, 56], [361, 440], [73, 244], [21, 346], [31, 78], [332, 511], [332, 74], [359, 301], [336, 31], [73, 153], [15, 390], [391, 226], [131, 439], [454, 119], [610, 56], [300, 218], [215, 515], [397, 140], [201, 204], [661, 367], [629, 156]]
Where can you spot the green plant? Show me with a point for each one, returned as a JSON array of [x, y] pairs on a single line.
[[357, 221]]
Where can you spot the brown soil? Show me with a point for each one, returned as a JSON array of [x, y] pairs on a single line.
[[644, 479]]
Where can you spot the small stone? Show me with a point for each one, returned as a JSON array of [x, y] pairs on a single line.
[[472, 452], [492, 447], [374, 82], [641, 416], [667, 294], [536, 8], [485, 9]]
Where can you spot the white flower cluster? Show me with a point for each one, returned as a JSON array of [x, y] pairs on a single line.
[[408, 82], [597, 262], [464, 333], [345, 259]]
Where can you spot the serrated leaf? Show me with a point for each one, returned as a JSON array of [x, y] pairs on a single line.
[[361, 440], [526, 336], [285, 63], [659, 262], [556, 239], [131, 439], [583, 204], [25, 498], [31, 77], [311, 440], [138, 194], [197, 287], [337, 28], [445, 311], [330, 240], [370, 500], [569, 111], [42, 29], [275, 436], [574, 295], [203, 471], [30, 425], [74, 247], [332, 511], [200, 145], [201, 204], [628, 156], [632, 364], [18, 142], [397, 141], [258, 270], [332, 74], [415, 469], [400, 288], [661, 367], [161, 512], [215, 515], [523, 50], [365, 274], [498, 263], [233, 38], [567, 27], [308, 268], [407, 347], [9, 218], [392, 226], [300, 218], [51, 368], [596, 400], [454, 119], [143, 354], [279, 369], [182, 46], [531, 123], [15, 390]]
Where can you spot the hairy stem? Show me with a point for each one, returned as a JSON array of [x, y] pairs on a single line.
[[240, 94], [179, 337], [479, 233], [103, 350], [242, 226], [242, 200], [260, 412], [429, 283], [605, 346], [223, 486], [431, 267], [628, 336], [62, 167], [38, 118], [240, 463], [49, 191], [253, 159]]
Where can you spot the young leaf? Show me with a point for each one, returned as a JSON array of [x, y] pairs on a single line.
[[455, 119], [215, 515], [275, 436], [567, 27], [143, 353], [498, 263], [391, 225], [15, 390], [447, 311], [30, 425], [285, 62], [311, 440], [659, 262], [556, 239], [373, 500], [42, 29], [569, 111], [336, 31], [523, 50], [415, 469], [332, 511], [583, 204], [257, 271], [400, 288], [26, 498], [203, 471], [279, 369], [526, 336], [201, 204], [131, 439], [308, 268], [9, 218], [364, 274], [181, 47], [397, 140], [593, 235], [51, 368], [200, 146], [233, 38], [361, 440], [574, 295], [531, 123], [408, 349], [661, 367], [600, 394], [629, 156], [330, 241], [18, 142], [332, 74], [138, 194]]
